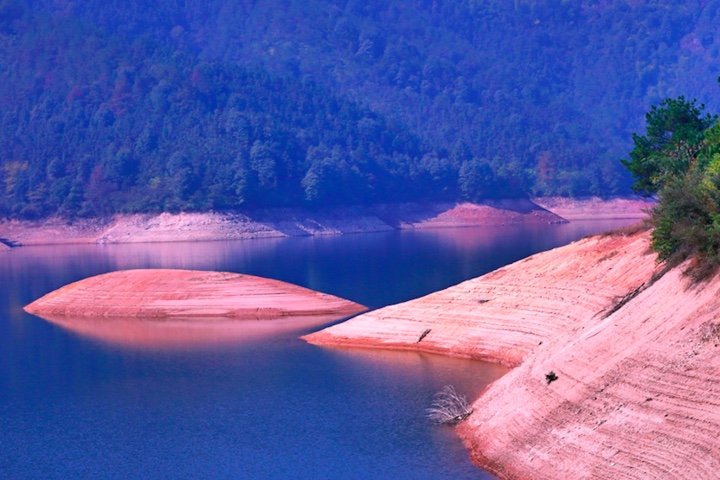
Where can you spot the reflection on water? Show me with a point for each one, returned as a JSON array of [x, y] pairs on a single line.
[[426, 368], [371, 269], [185, 333], [140, 400]]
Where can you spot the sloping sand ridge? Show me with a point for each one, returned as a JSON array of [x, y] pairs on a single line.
[[503, 315], [637, 362]]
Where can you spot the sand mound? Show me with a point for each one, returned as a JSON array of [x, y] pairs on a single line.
[[187, 293]]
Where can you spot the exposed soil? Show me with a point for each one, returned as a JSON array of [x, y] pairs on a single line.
[[444, 215], [162, 293], [271, 223], [637, 389], [596, 208], [504, 315]]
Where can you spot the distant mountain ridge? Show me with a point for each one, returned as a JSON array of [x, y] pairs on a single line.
[[169, 105]]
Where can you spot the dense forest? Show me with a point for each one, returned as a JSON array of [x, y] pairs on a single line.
[[110, 106]]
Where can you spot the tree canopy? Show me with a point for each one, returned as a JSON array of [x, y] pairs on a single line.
[[675, 136], [679, 160], [110, 106]]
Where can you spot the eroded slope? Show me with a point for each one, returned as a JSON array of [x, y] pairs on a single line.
[[637, 395], [636, 356], [504, 315]]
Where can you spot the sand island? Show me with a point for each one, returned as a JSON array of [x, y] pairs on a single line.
[[163, 293]]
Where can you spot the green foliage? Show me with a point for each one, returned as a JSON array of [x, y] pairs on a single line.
[[476, 180], [522, 82], [174, 133], [687, 221], [679, 158], [400, 95], [674, 137]]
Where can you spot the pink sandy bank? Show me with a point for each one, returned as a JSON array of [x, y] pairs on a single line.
[[165, 293], [266, 223], [635, 353]]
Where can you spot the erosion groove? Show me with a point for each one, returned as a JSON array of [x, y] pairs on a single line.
[[529, 302]]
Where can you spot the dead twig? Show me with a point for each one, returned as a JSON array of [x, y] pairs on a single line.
[[449, 407]]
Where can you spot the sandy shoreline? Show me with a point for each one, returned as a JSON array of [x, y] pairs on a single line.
[[284, 222], [595, 208], [504, 315], [637, 389]]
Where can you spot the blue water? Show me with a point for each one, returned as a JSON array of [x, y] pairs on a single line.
[[75, 405]]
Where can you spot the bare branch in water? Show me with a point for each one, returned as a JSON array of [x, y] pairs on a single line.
[[449, 407]]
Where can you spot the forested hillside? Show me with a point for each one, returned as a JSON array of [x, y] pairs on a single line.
[[153, 105]]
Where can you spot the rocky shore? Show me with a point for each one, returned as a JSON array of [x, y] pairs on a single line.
[[616, 367], [283, 222]]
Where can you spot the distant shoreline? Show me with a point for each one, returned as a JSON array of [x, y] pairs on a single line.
[[290, 222], [596, 208]]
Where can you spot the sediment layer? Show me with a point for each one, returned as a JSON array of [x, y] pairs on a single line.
[[635, 354], [596, 208], [165, 293], [637, 395], [504, 315]]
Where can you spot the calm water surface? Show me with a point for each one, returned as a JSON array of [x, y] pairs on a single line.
[[78, 405]]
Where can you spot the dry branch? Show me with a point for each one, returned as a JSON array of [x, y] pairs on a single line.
[[449, 407]]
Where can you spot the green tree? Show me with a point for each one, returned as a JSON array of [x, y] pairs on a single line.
[[263, 161], [674, 137], [679, 159], [181, 178], [476, 180]]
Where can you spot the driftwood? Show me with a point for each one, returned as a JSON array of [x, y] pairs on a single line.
[[449, 407]]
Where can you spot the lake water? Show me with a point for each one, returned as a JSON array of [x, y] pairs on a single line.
[[76, 404]]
